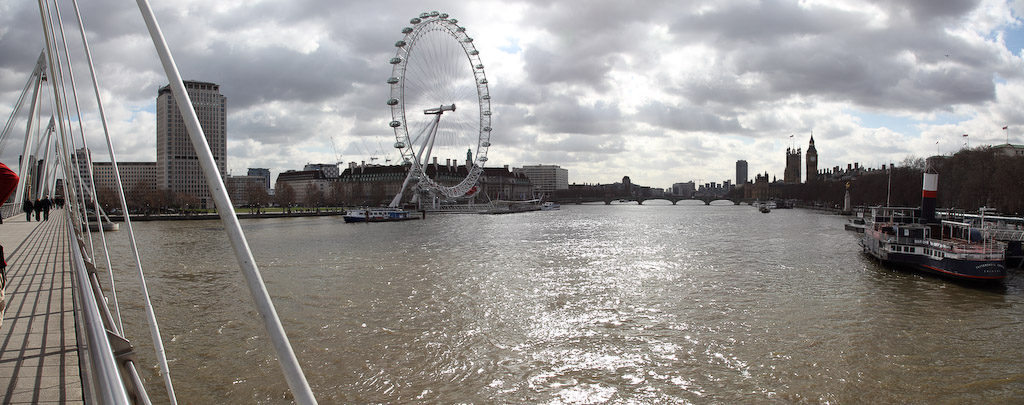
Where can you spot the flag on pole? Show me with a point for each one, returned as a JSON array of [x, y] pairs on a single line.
[[1006, 127], [965, 135]]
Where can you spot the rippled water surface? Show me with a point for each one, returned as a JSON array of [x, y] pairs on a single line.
[[590, 304]]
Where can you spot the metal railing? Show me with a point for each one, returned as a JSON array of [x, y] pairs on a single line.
[[9, 210], [102, 380]]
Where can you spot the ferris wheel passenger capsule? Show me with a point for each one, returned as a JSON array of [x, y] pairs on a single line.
[[486, 144], [399, 145], [396, 60], [399, 44], [392, 101], [392, 80], [444, 16], [483, 158], [424, 15], [478, 67], [487, 129], [474, 52], [434, 14], [406, 30], [395, 124], [415, 21], [454, 20]]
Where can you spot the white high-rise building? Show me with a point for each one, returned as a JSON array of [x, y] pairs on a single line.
[[547, 179], [178, 167], [134, 175]]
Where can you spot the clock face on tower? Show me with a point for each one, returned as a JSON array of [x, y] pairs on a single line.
[[812, 158]]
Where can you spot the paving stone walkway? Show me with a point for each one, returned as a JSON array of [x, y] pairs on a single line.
[[38, 346]]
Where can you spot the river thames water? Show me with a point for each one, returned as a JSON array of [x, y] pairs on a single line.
[[590, 304]]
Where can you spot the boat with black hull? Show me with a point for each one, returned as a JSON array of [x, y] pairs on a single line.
[[914, 238]]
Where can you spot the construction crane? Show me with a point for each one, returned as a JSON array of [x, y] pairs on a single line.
[[336, 154]]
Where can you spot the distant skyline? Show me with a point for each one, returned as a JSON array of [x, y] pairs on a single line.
[[663, 92]]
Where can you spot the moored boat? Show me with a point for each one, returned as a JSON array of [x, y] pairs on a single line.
[[378, 215], [913, 237], [550, 206]]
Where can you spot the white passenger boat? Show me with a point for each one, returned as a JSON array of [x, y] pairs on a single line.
[[378, 215], [550, 206]]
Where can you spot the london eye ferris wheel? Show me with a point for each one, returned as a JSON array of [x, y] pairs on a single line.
[[440, 107]]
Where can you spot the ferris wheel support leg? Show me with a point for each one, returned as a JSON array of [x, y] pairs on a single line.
[[405, 184], [429, 143]]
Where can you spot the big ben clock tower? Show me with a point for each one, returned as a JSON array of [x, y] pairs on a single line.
[[812, 162]]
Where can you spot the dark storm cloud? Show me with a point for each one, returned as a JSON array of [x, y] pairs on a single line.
[[565, 115], [836, 54], [279, 74], [928, 10], [686, 119], [585, 41]]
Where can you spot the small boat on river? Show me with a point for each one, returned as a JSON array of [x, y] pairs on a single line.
[[378, 215], [913, 237], [550, 206]]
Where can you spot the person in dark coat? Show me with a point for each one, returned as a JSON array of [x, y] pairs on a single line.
[[38, 207], [46, 208], [27, 207]]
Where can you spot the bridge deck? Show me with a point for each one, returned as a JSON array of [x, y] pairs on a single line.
[[38, 346]]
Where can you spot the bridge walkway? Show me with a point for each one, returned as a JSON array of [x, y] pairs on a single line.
[[38, 345]]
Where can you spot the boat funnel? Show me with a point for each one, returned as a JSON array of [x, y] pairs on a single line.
[[929, 191]]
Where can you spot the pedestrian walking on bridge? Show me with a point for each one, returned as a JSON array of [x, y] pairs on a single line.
[[46, 208], [27, 207]]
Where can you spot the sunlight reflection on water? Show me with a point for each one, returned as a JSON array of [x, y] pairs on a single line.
[[591, 304]]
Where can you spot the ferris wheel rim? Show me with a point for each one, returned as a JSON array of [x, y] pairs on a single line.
[[426, 23]]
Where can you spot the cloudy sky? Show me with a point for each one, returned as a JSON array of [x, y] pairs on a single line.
[[661, 91]]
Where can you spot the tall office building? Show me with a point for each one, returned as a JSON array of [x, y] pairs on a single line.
[[262, 172], [135, 176], [547, 178], [741, 172], [178, 168]]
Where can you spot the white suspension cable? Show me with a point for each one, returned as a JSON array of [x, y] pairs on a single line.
[[60, 107], [150, 314], [113, 161], [286, 356], [89, 169]]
